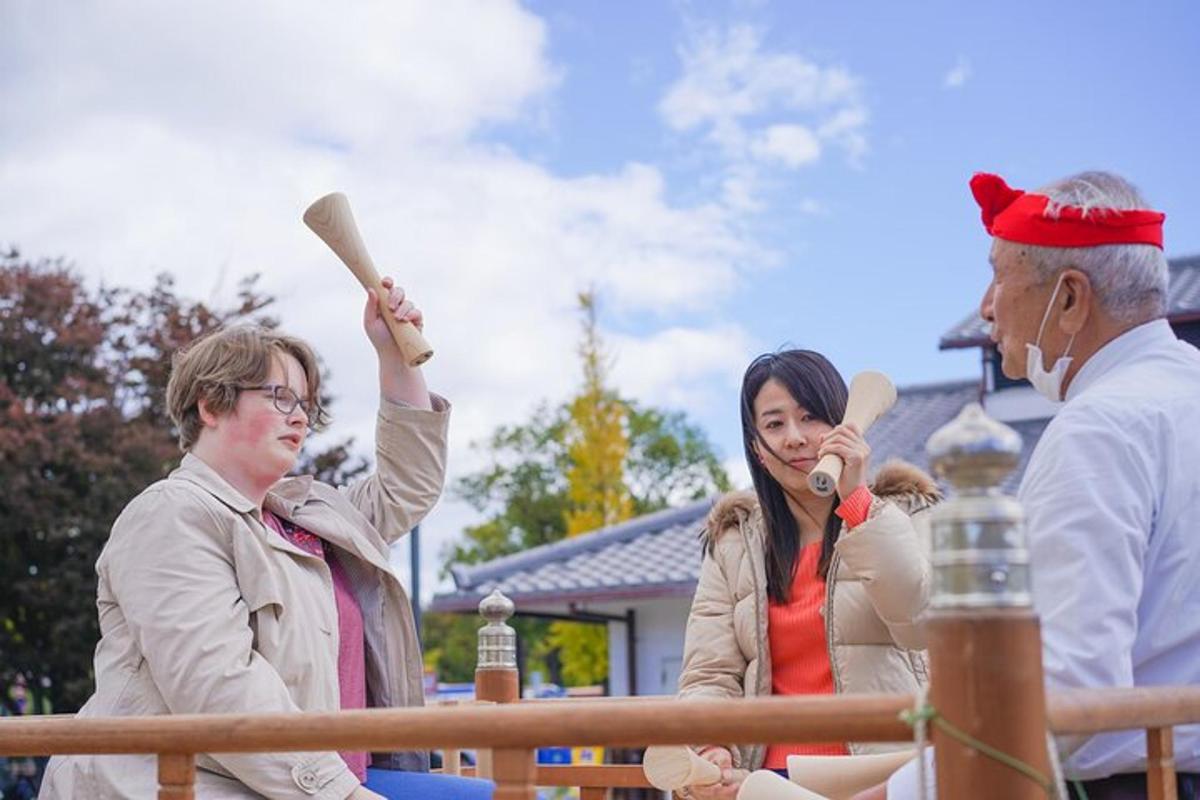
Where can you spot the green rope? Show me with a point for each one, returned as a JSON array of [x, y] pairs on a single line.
[[927, 713]]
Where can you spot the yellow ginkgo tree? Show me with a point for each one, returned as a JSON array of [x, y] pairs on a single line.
[[595, 460]]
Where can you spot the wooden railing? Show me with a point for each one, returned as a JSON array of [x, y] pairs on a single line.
[[985, 655], [513, 731]]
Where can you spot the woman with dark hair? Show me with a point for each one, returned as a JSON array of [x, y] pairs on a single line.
[[801, 594]]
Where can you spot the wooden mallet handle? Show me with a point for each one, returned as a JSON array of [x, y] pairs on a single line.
[[871, 394], [331, 219]]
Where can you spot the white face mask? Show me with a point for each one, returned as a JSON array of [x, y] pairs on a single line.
[[1047, 383]]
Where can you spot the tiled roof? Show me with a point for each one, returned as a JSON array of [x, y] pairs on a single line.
[[919, 411], [658, 555], [1183, 302]]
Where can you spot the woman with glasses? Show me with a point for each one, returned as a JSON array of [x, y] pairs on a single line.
[[232, 587]]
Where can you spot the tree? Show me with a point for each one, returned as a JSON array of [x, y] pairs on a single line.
[[597, 448], [591, 461], [597, 440], [523, 489], [83, 428]]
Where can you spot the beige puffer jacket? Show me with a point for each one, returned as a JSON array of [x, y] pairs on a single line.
[[879, 586]]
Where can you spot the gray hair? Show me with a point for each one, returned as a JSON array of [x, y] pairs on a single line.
[[1130, 280]]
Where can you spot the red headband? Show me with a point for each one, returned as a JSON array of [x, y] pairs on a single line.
[[1021, 217]]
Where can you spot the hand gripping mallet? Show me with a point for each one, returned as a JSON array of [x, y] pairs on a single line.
[[871, 394], [671, 768], [331, 219]]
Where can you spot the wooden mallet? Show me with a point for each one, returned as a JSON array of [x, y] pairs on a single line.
[[765, 784], [331, 219], [671, 768], [871, 394], [842, 777]]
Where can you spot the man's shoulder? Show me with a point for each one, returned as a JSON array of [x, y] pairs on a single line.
[[1141, 405], [1140, 388], [1170, 367]]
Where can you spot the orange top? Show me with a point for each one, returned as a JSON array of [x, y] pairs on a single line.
[[799, 656]]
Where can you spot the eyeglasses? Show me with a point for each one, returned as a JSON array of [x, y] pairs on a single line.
[[286, 401]]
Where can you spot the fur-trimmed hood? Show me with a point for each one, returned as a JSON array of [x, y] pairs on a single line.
[[905, 484]]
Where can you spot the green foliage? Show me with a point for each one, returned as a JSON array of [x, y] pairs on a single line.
[[583, 650], [83, 428], [523, 489], [449, 643], [670, 460]]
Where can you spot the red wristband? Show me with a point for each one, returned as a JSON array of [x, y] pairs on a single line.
[[855, 508]]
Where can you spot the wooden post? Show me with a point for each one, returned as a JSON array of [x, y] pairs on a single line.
[[985, 644], [1160, 764], [451, 756], [496, 677], [497, 685], [514, 771], [176, 776], [987, 681]]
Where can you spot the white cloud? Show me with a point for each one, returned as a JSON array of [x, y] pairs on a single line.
[[733, 92], [810, 205], [958, 75], [738, 472], [791, 145], [190, 137], [347, 74], [846, 128], [683, 368]]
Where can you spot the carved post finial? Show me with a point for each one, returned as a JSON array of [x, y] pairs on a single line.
[[497, 639], [985, 650], [497, 681], [979, 554]]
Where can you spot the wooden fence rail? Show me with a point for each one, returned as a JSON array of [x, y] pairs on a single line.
[[515, 730]]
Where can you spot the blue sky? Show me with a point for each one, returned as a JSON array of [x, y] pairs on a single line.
[[895, 255], [729, 177]]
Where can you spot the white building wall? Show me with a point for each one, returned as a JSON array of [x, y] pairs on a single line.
[[1018, 403], [618, 654], [659, 632]]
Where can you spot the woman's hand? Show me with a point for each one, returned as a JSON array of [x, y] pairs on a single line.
[[731, 779], [847, 443], [400, 307], [398, 382]]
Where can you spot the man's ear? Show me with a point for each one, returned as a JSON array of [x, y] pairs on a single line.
[[1077, 301]]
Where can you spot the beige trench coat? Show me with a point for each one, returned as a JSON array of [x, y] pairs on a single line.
[[204, 609], [879, 586]]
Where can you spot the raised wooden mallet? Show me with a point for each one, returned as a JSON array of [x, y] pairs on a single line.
[[331, 219], [871, 394]]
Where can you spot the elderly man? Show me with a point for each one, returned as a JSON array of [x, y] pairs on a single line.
[[1112, 491]]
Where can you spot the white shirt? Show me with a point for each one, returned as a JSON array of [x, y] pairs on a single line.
[[1112, 504]]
